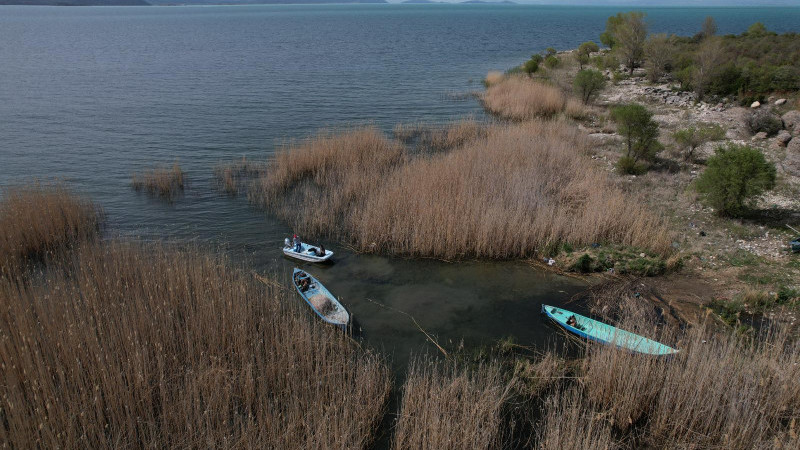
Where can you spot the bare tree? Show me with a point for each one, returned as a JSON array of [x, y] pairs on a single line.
[[709, 27], [629, 37], [708, 59], [658, 53]]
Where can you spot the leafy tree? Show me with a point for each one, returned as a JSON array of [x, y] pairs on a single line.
[[756, 30], [658, 52], [735, 175], [589, 83], [550, 51], [584, 52], [640, 132], [709, 27], [608, 37], [688, 139], [551, 61]]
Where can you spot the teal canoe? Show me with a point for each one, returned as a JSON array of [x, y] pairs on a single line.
[[607, 334]]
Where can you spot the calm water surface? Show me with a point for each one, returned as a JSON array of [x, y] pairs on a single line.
[[92, 95]]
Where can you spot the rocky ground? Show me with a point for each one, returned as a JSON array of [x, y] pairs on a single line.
[[722, 257]]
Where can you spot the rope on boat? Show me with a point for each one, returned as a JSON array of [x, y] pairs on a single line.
[[430, 338]]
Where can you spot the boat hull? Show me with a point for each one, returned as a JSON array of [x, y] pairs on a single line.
[[339, 317], [304, 255], [595, 330]]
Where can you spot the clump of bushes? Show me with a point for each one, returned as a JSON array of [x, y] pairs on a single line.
[[531, 66], [763, 120], [622, 260], [735, 175], [160, 181]]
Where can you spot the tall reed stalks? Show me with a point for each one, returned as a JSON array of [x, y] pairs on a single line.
[[516, 192], [520, 98], [447, 407], [130, 346], [39, 221], [160, 181]]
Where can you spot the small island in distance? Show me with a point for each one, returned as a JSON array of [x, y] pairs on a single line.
[[479, 2]]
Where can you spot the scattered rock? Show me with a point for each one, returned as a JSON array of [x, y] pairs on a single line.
[[783, 138], [780, 101], [755, 104], [792, 162], [760, 136], [791, 120]]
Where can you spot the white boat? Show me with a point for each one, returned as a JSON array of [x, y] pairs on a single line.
[[307, 252], [324, 304]]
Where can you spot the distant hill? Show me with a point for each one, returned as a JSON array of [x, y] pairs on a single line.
[[487, 2], [257, 2], [75, 2]]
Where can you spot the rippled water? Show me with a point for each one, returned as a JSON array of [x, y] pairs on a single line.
[[92, 95]]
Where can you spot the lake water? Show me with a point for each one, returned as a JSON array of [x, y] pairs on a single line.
[[91, 95]]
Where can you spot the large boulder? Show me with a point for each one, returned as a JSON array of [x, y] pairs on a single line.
[[791, 121], [783, 138], [792, 162]]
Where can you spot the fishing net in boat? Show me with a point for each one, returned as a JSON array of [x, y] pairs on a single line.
[[322, 304]]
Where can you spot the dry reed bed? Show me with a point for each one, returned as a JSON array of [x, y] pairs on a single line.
[[39, 221], [160, 181], [430, 138], [517, 191], [447, 407], [520, 98], [130, 346], [232, 178], [719, 392]]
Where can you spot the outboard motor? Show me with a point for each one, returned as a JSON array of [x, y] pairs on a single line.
[[286, 242]]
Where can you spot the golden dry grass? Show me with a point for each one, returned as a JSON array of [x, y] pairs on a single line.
[[518, 191], [161, 181], [571, 423], [127, 346], [520, 98], [493, 77], [446, 407], [39, 221]]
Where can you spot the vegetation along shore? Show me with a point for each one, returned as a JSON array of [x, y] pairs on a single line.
[[666, 168]]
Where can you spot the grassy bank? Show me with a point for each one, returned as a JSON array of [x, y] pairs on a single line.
[[520, 98], [39, 221], [508, 192]]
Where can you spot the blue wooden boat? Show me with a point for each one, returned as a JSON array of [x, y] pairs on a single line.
[[321, 301], [607, 334]]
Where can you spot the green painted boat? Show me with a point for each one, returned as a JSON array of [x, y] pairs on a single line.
[[607, 334]]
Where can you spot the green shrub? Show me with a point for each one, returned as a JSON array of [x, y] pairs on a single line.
[[688, 139], [532, 65], [735, 175], [640, 132], [551, 61], [763, 120], [629, 166], [583, 264], [588, 83]]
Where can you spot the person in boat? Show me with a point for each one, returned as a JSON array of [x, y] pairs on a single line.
[[572, 321], [297, 246], [317, 251]]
